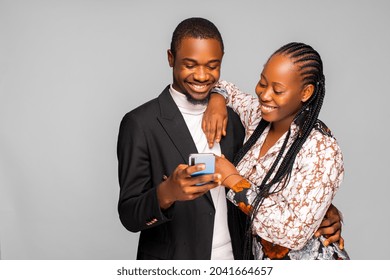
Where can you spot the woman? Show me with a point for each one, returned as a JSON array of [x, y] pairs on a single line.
[[290, 166]]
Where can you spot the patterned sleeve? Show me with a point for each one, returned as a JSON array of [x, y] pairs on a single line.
[[290, 217], [244, 104]]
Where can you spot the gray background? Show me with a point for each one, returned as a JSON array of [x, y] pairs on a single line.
[[69, 71]]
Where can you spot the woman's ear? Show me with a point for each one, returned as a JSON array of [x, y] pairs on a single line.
[[307, 92], [171, 58]]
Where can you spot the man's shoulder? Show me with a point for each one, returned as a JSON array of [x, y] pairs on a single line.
[[233, 116], [149, 108], [146, 108]]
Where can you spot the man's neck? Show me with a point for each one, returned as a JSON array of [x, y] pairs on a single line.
[[185, 105]]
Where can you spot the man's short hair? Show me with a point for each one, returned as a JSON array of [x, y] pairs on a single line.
[[195, 27]]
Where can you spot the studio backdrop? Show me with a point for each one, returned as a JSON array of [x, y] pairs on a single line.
[[70, 70]]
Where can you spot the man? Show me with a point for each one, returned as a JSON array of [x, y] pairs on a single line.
[[179, 219]]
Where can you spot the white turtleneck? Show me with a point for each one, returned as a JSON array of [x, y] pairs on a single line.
[[192, 114]]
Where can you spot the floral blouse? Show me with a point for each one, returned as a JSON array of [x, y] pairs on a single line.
[[291, 216]]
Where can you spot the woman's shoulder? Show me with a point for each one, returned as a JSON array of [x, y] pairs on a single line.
[[323, 129], [321, 138]]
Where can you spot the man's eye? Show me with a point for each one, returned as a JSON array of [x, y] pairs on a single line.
[[213, 67], [190, 66]]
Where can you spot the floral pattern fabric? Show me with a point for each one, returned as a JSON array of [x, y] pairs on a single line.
[[290, 217]]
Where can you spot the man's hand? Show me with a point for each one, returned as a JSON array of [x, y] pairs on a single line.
[[330, 227], [215, 119], [180, 186]]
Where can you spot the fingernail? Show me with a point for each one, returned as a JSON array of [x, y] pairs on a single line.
[[326, 243], [217, 140], [201, 166]]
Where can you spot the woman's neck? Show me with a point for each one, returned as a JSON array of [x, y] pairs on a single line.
[[275, 132], [280, 127]]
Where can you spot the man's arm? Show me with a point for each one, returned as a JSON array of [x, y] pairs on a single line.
[[142, 202], [138, 205]]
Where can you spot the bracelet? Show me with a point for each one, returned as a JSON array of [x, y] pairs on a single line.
[[229, 176]]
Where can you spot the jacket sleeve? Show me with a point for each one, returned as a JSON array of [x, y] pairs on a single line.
[[138, 205]]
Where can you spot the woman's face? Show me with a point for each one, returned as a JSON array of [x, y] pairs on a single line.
[[281, 91]]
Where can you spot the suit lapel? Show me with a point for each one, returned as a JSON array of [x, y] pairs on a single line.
[[175, 126]]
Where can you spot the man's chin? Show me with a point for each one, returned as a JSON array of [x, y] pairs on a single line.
[[197, 101]]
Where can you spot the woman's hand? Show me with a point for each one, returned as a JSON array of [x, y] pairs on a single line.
[[215, 119], [228, 172]]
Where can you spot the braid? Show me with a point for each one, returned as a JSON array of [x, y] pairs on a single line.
[[251, 141], [311, 70]]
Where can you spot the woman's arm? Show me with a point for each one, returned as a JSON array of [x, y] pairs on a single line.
[[215, 117]]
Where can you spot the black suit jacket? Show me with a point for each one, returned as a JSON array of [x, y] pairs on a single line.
[[153, 140]]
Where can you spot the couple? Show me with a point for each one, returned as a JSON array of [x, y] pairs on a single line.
[[179, 219]]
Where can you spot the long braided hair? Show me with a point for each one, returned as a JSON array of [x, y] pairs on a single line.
[[311, 70]]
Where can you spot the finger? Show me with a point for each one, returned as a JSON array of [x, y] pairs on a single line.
[[332, 239], [210, 134], [332, 219], [204, 126], [206, 129], [212, 125], [328, 230], [193, 192], [224, 125], [180, 169], [187, 172], [218, 133], [203, 180], [341, 243], [330, 222], [325, 223], [190, 193]]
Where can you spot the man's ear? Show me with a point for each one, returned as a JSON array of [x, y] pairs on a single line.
[[307, 92], [171, 58]]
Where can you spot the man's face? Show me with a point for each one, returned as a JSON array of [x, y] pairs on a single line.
[[196, 67]]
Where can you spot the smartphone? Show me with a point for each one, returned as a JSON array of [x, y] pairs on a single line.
[[207, 158]]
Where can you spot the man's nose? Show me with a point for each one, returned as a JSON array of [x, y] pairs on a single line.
[[200, 74]]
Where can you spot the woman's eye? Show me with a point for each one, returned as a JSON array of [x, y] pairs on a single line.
[[278, 91]]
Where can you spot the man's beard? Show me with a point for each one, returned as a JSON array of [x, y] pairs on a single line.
[[195, 101]]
